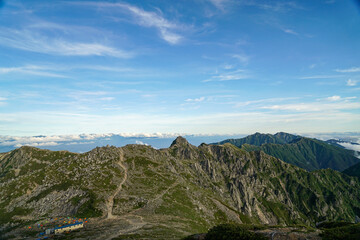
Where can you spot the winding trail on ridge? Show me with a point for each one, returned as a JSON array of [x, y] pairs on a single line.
[[110, 201], [134, 220]]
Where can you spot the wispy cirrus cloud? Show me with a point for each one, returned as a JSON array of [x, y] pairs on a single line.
[[274, 6], [262, 101], [290, 31], [351, 83], [166, 28], [152, 19], [36, 41], [32, 70], [200, 99], [243, 58], [334, 98], [228, 76], [336, 104], [220, 4], [349, 70], [2, 101], [321, 76]]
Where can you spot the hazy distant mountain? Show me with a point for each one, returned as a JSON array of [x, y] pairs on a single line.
[[307, 153], [168, 193]]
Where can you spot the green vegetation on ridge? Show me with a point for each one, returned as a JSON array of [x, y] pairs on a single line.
[[307, 153]]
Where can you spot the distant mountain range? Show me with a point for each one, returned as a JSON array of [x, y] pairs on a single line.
[[141, 192], [308, 153]]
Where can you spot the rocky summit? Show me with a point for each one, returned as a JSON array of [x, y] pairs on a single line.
[[138, 192]]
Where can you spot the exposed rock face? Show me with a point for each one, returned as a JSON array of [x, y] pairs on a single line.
[[187, 186]]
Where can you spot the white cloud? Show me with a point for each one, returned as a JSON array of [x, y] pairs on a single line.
[[228, 66], [349, 70], [152, 19], [220, 4], [337, 105], [267, 100], [195, 99], [275, 6], [170, 37], [51, 140], [334, 98], [32, 70], [351, 82], [144, 18], [2, 101], [141, 143], [321, 76], [350, 146], [37, 144], [241, 57], [290, 31], [33, 41], [107, 98], [150, 135], [103, 68], [228, 76]]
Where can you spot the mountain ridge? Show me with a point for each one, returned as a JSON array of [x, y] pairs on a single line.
[[182, 189], [307, 153], [258, 139]]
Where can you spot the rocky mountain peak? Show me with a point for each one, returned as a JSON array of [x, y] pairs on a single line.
[[181, 148], [180, 141]]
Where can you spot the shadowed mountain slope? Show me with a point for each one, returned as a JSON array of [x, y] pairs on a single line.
[[353, 170]]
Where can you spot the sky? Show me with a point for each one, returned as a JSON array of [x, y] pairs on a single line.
[[186, 66]]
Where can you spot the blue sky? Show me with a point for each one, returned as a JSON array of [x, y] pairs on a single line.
[[197, 67]]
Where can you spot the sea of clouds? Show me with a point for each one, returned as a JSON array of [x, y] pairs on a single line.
[[86, 142]]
